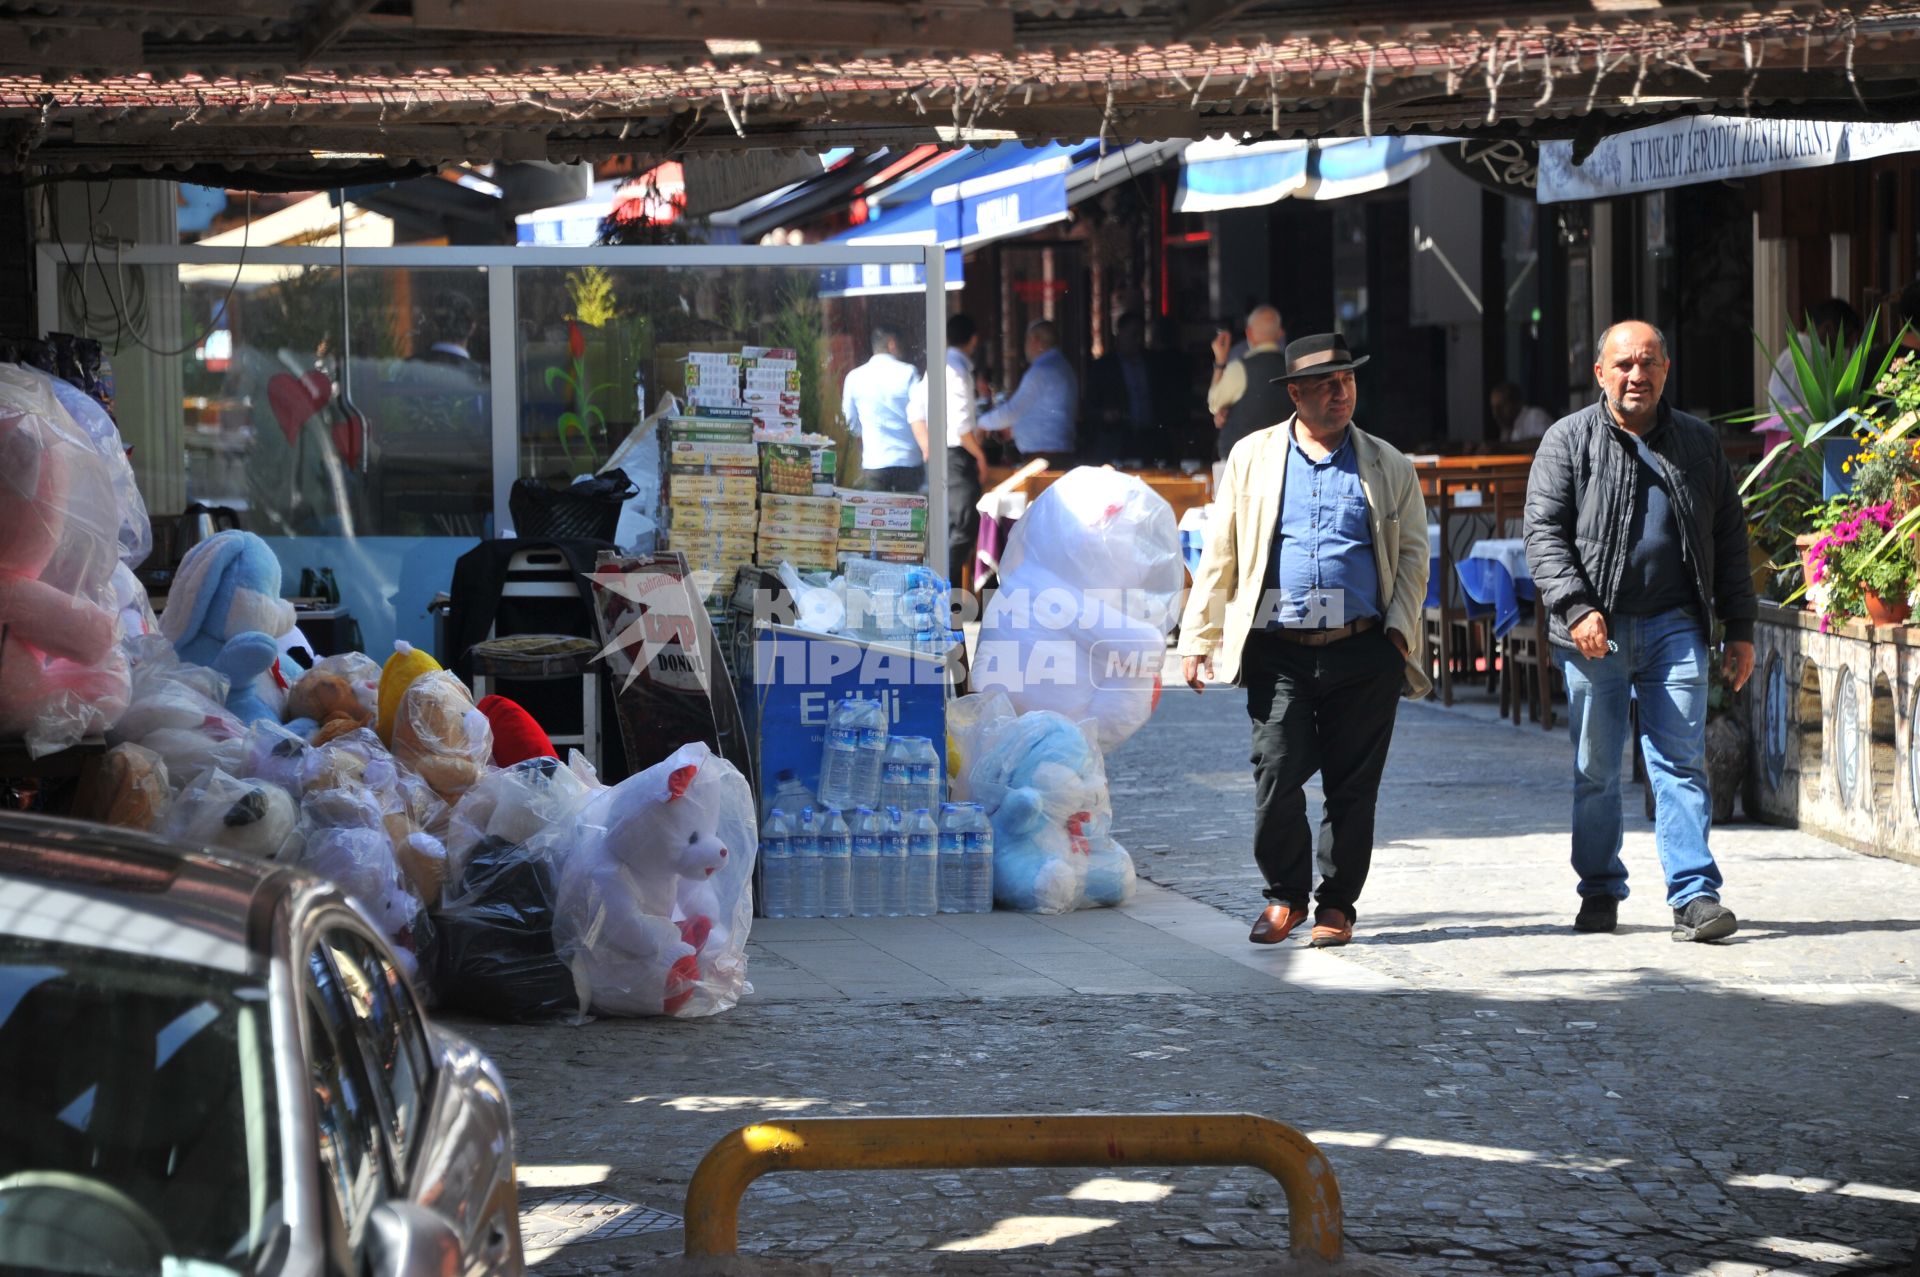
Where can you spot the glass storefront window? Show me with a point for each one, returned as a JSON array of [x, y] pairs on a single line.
[[279, 427], [593, 339], [379, 437]]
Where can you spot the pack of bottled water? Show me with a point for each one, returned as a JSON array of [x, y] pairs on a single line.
[[923, 865], [911, 775], [853, 755]]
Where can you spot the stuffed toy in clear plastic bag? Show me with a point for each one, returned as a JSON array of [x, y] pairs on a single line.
[[63, 675], [656, 894], [1088, 588], [1044, 785]]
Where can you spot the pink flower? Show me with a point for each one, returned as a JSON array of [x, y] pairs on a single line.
[[1846, 533]]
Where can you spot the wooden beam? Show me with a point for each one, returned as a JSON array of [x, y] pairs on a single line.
[[831, 24], [94, 50]]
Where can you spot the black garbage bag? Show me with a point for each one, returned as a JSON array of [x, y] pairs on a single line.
[[492, 948]]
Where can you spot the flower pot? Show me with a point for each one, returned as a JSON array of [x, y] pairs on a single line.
[[1816, 595], [1885, 612]]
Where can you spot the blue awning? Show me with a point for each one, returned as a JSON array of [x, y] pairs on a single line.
[[910, 224], [1220, 173], [1017, 191]]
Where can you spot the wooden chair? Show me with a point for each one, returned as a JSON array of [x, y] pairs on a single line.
[[1456, 629], [1526, 659]]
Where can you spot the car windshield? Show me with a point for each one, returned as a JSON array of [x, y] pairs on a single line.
[[140, 1127]]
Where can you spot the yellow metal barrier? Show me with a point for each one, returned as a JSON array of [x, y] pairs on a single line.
[[961, 1143]]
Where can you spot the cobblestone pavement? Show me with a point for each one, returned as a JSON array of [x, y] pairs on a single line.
[[1497, 1094]]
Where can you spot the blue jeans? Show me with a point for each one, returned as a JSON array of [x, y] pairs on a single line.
[[1661, 663]]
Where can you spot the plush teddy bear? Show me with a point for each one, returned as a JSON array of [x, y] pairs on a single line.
[[323, 705], [654, 898], [224, 611], [346, 841], [253, 817], [276, 755], [1045, 787], [128, 789], [440, 735], [412, 814], [62, 673]]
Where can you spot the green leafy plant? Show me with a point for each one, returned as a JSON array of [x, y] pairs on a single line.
[[1838, 384], [580, 421]]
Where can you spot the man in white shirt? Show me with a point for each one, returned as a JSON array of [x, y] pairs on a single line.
[[966, 461], [874, 401]]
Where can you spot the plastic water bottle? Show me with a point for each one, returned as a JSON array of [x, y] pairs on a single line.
[[953, 883], [893, 863], [895, 776], [923, 774], [836, 867], [923, 865], [840, 757], [868, 864], [977, 853], [805, 842], [790, 795], [872, 752], [776, 866]]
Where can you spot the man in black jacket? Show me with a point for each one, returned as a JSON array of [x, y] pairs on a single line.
[[1637, 542]]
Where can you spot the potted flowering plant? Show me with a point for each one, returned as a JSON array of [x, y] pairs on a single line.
[[1850, 562]]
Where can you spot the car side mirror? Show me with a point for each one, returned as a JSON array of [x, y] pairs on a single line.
[[405, 1239]]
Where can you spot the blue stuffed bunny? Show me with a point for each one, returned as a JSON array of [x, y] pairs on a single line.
[[224, 611], [1045, 787]]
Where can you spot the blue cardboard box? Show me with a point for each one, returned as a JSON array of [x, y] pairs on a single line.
[[798, 676]]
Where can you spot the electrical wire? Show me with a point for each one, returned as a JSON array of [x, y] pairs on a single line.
[[129, 312]]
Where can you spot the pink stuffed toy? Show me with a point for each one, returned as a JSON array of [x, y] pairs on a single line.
[[653, 897], [62, 673]]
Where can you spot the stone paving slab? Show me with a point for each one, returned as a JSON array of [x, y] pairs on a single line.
[[1133, 950], [1496, 1093]]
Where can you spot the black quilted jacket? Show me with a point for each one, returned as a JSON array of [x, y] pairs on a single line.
[[1580, 507]]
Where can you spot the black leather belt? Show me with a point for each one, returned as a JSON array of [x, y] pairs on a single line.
[[1320, 638]]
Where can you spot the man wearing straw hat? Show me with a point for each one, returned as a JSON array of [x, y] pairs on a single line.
[[1309, 594]]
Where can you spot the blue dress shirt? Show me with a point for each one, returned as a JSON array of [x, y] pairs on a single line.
[[1042, 411], [874, 400], [1323, 566]]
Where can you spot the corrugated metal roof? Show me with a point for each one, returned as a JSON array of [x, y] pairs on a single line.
[[158, 83]]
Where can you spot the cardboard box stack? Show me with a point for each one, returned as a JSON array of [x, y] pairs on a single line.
[[771, 391], [891, 526], [712, 473]]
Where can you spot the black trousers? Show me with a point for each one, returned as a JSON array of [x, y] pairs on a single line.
[[963, 515], [1323, 709]]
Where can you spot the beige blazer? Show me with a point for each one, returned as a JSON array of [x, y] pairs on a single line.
[[1234, 567]]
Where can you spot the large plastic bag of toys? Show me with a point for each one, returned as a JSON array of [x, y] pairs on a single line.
[[63, 675], [1088, 588], [495, 948], [656, 897]]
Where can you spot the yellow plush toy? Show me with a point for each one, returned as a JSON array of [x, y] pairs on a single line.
[[406, 664]]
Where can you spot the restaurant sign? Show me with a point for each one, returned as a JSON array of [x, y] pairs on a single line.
[[1699, 148]]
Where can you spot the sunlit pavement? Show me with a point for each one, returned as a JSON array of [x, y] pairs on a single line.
[[1496, 1092]]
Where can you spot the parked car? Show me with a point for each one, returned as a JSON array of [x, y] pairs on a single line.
[[212, 1067]]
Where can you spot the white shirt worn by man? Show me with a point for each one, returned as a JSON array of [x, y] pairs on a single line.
[[962, 411], [874, 400]]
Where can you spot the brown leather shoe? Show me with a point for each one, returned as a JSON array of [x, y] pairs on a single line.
[[1331, 929], [1275, 923]]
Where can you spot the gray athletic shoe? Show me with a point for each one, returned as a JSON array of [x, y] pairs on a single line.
[[1704, 918]]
